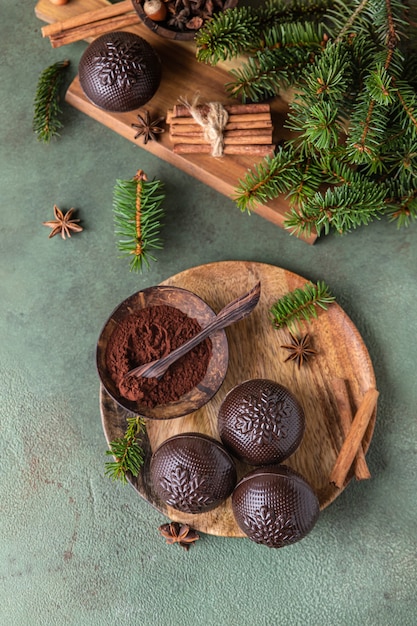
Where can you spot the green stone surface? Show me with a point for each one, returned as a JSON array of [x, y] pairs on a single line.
[[76, 548]]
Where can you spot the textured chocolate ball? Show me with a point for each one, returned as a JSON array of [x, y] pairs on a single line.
[[275, 506], [261, 422], [119, 71], [193, 473]]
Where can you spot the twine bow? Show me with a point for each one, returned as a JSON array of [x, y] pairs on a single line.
[[213, 123]]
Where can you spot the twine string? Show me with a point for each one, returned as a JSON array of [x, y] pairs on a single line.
[[213, 124]]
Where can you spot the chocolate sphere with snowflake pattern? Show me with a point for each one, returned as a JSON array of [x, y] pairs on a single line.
[[192, 472], [275, 506], [261, 422], [119, 71]]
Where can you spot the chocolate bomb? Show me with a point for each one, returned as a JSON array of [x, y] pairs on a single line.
[[275, 506], [119, 71], [261, 422], [192, 473]]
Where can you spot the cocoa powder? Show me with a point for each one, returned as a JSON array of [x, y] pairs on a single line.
[[150, 334]]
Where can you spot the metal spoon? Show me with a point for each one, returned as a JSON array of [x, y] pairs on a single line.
[[231, 313]]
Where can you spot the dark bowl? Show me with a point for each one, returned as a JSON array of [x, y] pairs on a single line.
[[192, 473], [261, 422], [163, 28], [191, 306], [275, 506], [119, 71]]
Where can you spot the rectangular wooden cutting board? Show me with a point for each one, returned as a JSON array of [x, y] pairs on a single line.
[[182, 77]]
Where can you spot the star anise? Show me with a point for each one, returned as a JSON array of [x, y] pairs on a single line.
[[63, 224], [147, 127], [178, 20], [300, 350], [179, 533]]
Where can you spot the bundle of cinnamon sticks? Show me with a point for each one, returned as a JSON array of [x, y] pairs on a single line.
[[248, 130], [91, 24]]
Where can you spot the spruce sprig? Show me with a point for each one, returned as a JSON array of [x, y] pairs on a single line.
[[285, 51], [355, 110], [137, 205], [343, 208], [300, 304], [46, 122], [402, 206], [246, 30], [127, 453], [269, 178], [231, 33]]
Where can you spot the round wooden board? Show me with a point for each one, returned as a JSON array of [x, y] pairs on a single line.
[[255, 352]]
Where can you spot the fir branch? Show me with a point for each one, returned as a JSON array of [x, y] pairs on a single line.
[[126, 451], [284, 11], [269, 178], [300, 304], [286, 51], [389, 23], [401, 164], [337, 172], [318, 126], [349, 23], [318, 112], [258, 79], [379, 86], [354, 118], [402, 205], [244, 30], [330, 76], [307, 180], [408, 100], [137, 205], [46, 122], [227, 35], [405, 213], [368, 122], [341, 208]]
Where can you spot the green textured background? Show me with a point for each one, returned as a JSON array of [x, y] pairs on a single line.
[[76, 548]]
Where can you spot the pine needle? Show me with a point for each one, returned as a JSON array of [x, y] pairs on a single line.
[[300, 304], [352, 157], [46, 122], [126, 451], [137, 205]]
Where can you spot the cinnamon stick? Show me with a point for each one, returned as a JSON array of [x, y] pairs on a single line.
[[190, 127], [244, 136], [341, 394], [202, 148], [87, 17], [233, 117], [354, 438], [181, 110], [91, 31], [238, 132], [91, 24], [241, 140]]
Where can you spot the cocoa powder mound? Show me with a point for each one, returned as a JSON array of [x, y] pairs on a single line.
[[150, 334]]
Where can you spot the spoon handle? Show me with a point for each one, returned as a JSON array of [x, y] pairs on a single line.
[[231, 313]]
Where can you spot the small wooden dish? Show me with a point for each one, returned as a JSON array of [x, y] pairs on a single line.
[[194, 307], [255, 352], [161, 28]]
